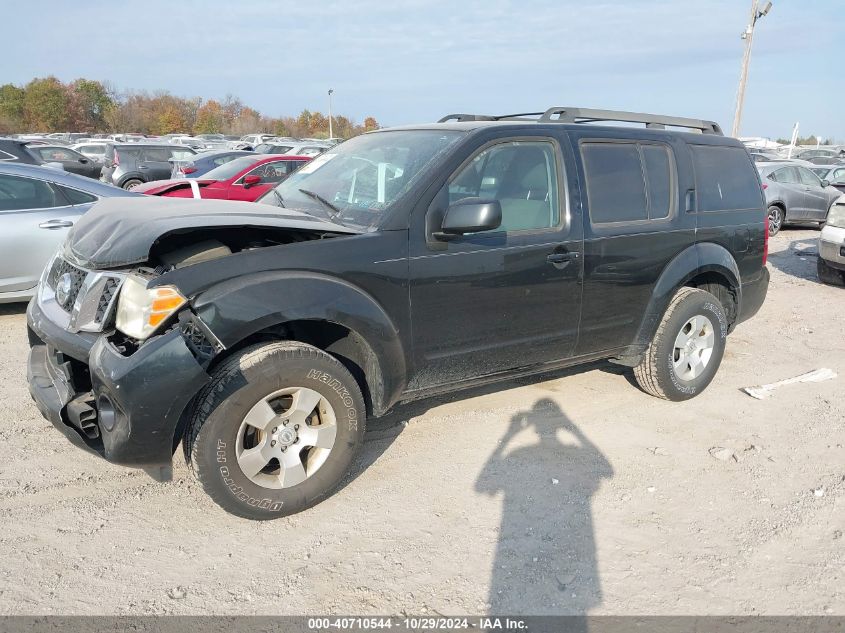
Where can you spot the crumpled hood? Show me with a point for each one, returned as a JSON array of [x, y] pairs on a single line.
[[121, 231]]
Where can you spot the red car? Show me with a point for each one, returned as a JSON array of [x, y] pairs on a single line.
[[244, 178]]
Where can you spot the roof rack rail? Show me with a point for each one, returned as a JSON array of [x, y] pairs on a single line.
[[589, 115]]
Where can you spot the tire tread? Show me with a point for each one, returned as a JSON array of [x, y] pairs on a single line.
[[646, 372]]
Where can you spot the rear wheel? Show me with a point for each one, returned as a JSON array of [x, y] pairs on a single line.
[[687, 348], [132, 183], [776, 217], [828, 274], [276, 430]]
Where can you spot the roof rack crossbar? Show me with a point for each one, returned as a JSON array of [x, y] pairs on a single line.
[[589, 115], [656, 121]]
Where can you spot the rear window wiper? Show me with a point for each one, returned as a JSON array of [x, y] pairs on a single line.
[[279, 198], [333, 210]]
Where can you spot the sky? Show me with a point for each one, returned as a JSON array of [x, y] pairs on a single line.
[[412, 61]]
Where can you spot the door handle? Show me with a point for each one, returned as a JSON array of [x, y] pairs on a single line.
[[55, 224], [561, 259], [142, 167]]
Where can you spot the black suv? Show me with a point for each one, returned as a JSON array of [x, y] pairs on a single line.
[[400, 264]]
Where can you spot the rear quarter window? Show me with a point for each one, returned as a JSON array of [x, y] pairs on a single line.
[[725, 179]]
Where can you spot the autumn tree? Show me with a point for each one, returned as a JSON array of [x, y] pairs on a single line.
[[370, 124], [11, 108], [87, 102], [210, 118], [84, 105], [45, 105]]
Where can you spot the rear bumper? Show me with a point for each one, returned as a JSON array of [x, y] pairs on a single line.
[[753, 295], [127, 409]]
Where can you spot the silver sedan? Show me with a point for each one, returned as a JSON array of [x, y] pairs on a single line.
[[795, 194], [38, 205]]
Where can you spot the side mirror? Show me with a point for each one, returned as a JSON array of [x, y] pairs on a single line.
[[251, 180], [825, 183], [470, 215]]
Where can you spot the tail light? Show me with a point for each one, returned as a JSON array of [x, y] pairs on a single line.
[[765, 186], [766, 240], [116, 160], [187, 169]]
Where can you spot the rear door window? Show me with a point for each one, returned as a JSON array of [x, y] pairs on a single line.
[[787, 176], [725, 179], [808, 178], [629, 182], [156, 154]]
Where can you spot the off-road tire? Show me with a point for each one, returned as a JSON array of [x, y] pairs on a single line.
[[829, 275], [236, 385], [656, 374], [775, 227], [132, 182]]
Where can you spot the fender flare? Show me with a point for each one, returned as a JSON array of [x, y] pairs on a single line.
[[238, 308], [699, 258]]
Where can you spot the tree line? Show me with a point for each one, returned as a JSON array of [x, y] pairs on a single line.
[[47, 105]]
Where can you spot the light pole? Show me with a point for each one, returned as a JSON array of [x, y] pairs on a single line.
[[331, 132], [748, 36]]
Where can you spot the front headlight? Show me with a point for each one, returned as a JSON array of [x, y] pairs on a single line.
[[836, 216], [140, 310]]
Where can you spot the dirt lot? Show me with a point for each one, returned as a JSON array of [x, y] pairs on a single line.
[[574, 494]]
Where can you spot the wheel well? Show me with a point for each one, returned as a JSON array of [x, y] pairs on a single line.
[[346, 345], [718, 286], [780, 205]]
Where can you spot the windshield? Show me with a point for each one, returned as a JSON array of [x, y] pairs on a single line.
[[232, 168], [821, 172], [355, 182]]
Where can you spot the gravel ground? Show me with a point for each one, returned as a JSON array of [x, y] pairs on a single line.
[[574, 494]]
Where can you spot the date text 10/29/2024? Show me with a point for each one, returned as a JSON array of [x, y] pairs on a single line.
[[416, 624]]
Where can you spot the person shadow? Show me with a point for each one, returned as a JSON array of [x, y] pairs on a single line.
[[545, 562]]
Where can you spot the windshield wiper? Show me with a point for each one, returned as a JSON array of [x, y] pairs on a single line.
[[279, 198], [333, 210]]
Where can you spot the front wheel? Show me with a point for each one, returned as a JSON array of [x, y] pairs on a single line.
[[276, 430], [776, 217], [687, 349]]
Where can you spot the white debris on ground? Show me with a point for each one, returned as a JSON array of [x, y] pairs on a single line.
[[764, 391]]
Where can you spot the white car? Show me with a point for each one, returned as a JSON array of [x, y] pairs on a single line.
[[189, 141], [93, 149], [831, 262]]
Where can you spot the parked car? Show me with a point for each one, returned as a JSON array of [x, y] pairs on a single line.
[[93, 149], [405, 263], [38, 205], [295, 147], [17, 151], [130, 164], [831, 261], [821, 152], [190, 141], [835, 174], [70, 160], [245, 178], [794, 194], [200, 164], [249, 141]]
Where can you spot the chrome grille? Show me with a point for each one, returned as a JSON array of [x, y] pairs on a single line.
[[61, 268], [106, 298], [88, 301]]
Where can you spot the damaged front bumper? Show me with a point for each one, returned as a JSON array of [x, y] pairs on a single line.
[[126, 408]]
